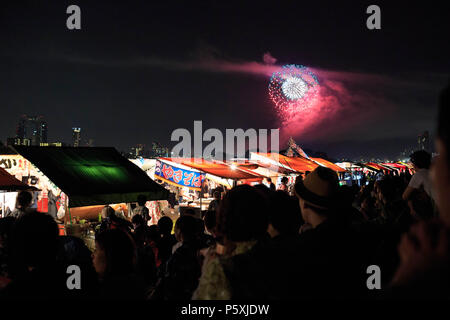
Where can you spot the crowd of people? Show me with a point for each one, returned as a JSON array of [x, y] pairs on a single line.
[[254, 242]]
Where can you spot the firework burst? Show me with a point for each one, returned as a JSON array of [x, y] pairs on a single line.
[[293, 89]]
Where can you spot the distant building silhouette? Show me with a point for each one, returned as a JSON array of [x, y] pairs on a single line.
[[423, 141], [138, 151], [30, 128], [158, 150], [76, 137]]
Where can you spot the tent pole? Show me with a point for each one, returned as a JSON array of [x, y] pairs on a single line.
[[67, 208], [3, 206]]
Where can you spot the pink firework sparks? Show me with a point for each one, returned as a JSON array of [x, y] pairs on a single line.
[[293, 89]]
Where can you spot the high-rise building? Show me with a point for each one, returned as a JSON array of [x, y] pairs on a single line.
[[423, 141], [158, 150], [43, 131], [76, 137], [33, 128], [137, 151], [21, 131]]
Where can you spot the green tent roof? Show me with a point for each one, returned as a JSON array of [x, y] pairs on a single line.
[[91, 176]]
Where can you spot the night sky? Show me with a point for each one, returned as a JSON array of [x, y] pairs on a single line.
[[137, 70]]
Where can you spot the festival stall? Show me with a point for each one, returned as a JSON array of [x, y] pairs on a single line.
[[298, 164], [196, 178], [183, 181], [9, 186], [92, 178], [264, 169], [47, 196], [398, 167], [328, 164]]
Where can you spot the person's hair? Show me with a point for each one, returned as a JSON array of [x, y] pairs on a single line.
[[242, 214], [347, 195], [139, 235], [200, 226], [269, 179], [387, 189], [217, 195], [110, 212], [284, 180], [284, 214], [421, 159], [73, 251], [153, 233], [263, 188], [190, 212], [138, 220], [119, 251], [369, 200], [34, 241], [443, 129], [141, 200], [210, 219], [188, 227], [165, 225], [24, 199]]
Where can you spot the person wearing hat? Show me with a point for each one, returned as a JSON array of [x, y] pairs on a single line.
[[318, 195], [331, 261]]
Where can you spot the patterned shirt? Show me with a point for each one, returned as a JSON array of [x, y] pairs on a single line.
[[214, 284]]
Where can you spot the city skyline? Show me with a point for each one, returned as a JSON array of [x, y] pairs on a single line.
[[422, 141]]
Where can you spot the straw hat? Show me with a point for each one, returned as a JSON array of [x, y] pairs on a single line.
[[319, 188]]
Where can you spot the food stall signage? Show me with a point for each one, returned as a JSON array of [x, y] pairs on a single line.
[[181, 177]]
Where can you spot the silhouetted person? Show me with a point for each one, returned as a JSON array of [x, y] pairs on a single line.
[[210, 222], [52, 200], [114, 260], [183, 268], [419, 192], [35, 270], [146, 258], [214, 204], [23, 203], [110, 220], [331, 239], [137, 221], [271, 185], [167, 240], [424, 250], [73, 251], [284, 184], [236, 268], [141, 209], [6, 229]]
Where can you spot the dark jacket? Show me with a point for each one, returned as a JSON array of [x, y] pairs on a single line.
[[182, 273], [331, 262], [165, 245]]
